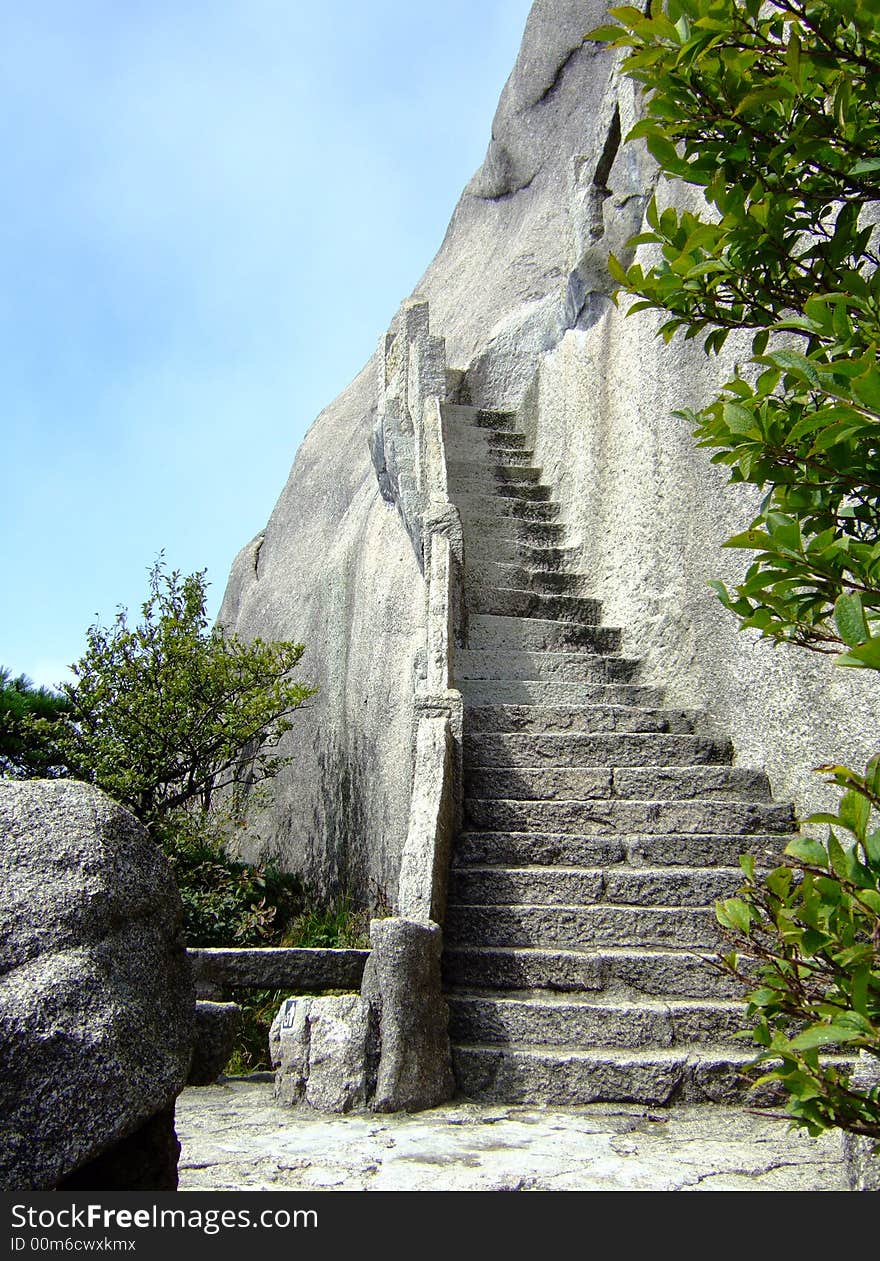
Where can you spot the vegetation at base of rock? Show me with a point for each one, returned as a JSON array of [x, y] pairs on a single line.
[[27, 750], [814, 928], [773, 111], [229, 902], [172, 710]]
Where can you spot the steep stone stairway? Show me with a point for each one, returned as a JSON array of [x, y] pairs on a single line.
[[600, 827]]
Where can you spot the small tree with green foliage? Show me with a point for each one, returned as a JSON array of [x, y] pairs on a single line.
[[773, 111], [163, 716], [172, 711]]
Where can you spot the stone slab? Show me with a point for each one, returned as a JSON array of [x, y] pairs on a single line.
[[236, 1138]]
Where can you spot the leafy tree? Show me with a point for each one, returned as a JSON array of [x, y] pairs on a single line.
[[171, 711], [773, 111], [25, 753]]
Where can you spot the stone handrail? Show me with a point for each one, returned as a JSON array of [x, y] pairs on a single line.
[[410, 458], [395, 1054], [272, 967]]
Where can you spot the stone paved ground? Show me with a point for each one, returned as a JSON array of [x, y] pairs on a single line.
[[235, 1138]]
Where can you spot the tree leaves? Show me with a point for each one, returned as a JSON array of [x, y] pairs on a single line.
[[170, 711]]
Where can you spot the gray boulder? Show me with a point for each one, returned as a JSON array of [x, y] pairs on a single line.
[[96, 997], [323, 1051], [217, 1027], [387, 1049]]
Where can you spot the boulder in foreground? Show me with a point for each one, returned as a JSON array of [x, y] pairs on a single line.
[[96, 996]]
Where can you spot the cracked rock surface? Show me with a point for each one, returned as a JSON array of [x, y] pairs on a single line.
[[236, 1138]]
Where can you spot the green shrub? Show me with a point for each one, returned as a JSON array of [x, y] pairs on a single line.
[[810, 930], [227, 902]]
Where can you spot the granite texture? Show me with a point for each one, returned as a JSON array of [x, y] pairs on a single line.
[[96, 996]]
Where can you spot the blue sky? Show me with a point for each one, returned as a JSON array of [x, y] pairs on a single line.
[[211, 211]]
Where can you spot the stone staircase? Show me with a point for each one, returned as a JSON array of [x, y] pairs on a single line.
[[600, 827]]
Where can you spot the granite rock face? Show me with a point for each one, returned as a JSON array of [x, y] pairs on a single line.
[[520, 292], [334, 567], [96, 997]]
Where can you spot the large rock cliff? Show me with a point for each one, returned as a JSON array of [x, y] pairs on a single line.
[[520, 292]]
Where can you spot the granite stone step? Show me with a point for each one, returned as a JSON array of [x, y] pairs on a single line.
[[493, 573], [528, 849], [535, 634], [461, 416], [627, 783], [591, 721], [492, 548], [500, 483], [611, 971], [484, 418], [546, 885], [494, 531], [547, 693], [564, 667], [563, 1077], [476, 455], [511, 602], [503, 511], [601, 817], [600, 828], [596, 925], [501, 455], [614, 748], [496, 477], [541, 1018], [470, 447]]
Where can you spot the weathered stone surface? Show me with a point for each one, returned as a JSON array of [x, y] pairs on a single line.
[[597, 818], [143, 1161], [324, 1053], [96, 997], [402, 985], [583, 926], [235, 1137], [675, 972], [216, 1028], [571, 886], [424, 869], [519, 290], [592, 719], [638, 749], [561, 667], [545, 1019], [583, 783]]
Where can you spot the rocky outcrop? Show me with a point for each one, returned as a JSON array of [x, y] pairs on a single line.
[[520, 293], [96, 997]]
